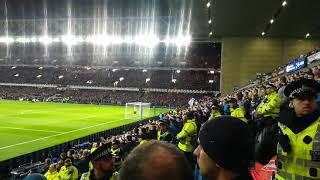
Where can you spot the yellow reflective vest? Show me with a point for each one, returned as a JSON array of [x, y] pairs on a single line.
[[270, 106], [51, 175], [214, 114], [162, 136], [299, 163], [68, 173], [188, 132], [86, 176], [238, 113]]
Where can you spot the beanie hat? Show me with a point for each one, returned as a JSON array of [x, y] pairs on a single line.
[[227, 140]]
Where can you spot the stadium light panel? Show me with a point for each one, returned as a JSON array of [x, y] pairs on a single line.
[[210, 81], [16, 75], [39, 76], [208, 4], [70, 39], [33, 39], [6, 40], [45, 39], [23, 40], [121, 79], [284, 3], [271, 21]]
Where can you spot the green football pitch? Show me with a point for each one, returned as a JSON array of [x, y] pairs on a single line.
[[26, 127]]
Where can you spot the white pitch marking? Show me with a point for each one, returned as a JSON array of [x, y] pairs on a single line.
[[47, 137], [27, 129]]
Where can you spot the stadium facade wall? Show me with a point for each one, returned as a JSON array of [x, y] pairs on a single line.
[[243, 57]]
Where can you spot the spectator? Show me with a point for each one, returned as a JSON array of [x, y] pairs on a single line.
[[52, 173], [63, 156], [129, 145], [156, 160], [225, 149], [83, 164], [47, 165], [60, 164]]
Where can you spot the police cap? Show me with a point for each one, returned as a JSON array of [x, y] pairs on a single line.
[[232, 100], [102, 152], [302, 87]]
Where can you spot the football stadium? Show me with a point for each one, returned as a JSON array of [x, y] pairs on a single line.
[[159, 89]]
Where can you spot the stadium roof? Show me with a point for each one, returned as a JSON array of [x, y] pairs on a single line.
[[252, 17]]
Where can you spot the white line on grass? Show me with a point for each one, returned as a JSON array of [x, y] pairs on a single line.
[[47, 137], [26, 129]]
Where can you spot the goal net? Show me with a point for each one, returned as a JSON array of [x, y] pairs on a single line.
[[136, 110]]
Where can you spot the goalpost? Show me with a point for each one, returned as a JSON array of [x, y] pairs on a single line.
[[137, 110]]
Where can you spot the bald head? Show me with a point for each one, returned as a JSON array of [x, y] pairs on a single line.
[[156, 160]]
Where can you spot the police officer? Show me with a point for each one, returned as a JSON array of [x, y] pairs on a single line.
[[117, 153], [68, 171], [164, 134], [103, 165], [236, 111], [296, 137], [187, 135], [269, 108], [215, 112]]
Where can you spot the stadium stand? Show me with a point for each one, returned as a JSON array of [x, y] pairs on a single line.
[[170, 55]]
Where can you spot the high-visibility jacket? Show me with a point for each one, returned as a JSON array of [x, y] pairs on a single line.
[[68, 173], [238, 113], [116, 155], [303, 160], [162, 136], [143, 141], [90, 176], [188, 132], [51, 175], [214, 114], [270, 106]]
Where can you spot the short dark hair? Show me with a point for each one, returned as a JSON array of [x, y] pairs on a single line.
[[141, 163]]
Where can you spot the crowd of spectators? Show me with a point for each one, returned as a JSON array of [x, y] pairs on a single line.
[[87, 96], [84, 76]]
